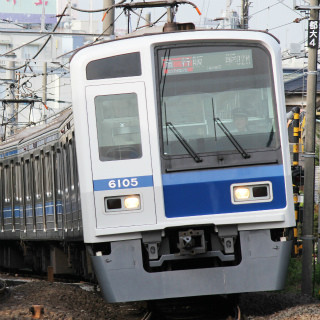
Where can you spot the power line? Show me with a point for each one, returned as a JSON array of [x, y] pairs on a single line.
[[42, 47]]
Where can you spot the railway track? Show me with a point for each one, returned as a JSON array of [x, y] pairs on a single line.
[[150, 316], [195, 308]]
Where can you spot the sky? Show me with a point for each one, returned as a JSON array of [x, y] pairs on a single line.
[[276, 16]]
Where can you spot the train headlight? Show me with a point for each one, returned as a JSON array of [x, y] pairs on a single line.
[[122, 203], [251, 192], [132, 202], [241, 193]]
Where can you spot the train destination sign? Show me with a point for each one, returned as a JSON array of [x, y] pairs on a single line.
[[207, 62]]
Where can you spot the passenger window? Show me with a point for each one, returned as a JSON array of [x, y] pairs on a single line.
[[38, 177], [7, 184], [71, 166], [27, 180], [18, 186], [58, 172], [48, 174], [118, 127], [65, 170]]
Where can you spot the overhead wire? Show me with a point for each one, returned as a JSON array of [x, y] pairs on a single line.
[[28, 92], [97, 39], [91, 43], [42, 47]]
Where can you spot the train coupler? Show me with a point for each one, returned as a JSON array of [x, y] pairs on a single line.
[[192, 242]]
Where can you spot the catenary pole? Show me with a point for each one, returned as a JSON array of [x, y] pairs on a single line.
[[44, 90], [11, 77], [244, 14], [309, 155], [108, 21]]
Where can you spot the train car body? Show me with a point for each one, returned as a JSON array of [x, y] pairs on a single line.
[[40, 213], [176, 200]]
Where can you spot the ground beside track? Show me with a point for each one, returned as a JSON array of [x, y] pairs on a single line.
[[69, 302]]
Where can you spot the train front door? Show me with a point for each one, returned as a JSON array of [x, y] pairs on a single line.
[[120, 155]]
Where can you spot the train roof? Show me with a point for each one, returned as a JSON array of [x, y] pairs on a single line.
[[28, 133], [159, 30]]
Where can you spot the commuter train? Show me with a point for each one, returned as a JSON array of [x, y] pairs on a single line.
[[183, 165], [40, 213]]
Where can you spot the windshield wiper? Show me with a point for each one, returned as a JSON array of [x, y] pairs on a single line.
[[232, 139], [184, 142]]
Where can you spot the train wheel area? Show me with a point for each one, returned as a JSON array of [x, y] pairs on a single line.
[[66, 259]]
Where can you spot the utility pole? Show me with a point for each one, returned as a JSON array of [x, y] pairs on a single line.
[[244, 14], [148, 19], [11, 78], [307, 227], [108, 21], [170, 15], [43, 17], [91, 19], [44, 90]]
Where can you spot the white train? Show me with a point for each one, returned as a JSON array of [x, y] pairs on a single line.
[[183, 158], [40, 213], [178, 150]]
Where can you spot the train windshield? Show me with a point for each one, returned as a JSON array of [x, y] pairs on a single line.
[[211, 94]]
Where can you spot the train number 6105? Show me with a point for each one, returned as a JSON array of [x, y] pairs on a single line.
[[123, 183]]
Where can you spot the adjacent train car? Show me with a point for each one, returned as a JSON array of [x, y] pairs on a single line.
[[40, 214], [183, 163]]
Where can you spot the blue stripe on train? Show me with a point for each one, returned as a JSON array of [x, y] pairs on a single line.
[[206, 192], [18, 211]]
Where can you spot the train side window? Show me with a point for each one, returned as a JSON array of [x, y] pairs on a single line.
[[27, 180], [18, 182], [37, 178], [75, 167], [71, 165], [1, 187], [58, 172], [65, 169], [48, 174], [118, 127], [7, 184]]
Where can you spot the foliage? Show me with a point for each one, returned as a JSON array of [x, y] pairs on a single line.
[[294, 277], [293, 282]]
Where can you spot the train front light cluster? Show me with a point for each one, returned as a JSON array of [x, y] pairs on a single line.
[[251, 192], [120, 203]]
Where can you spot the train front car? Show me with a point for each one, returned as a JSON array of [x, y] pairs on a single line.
[[184, 164]]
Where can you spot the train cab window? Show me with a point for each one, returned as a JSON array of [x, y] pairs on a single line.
[[118, 127], [211, 93]]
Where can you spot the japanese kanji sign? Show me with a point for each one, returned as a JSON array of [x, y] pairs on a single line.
[[313, 33]]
